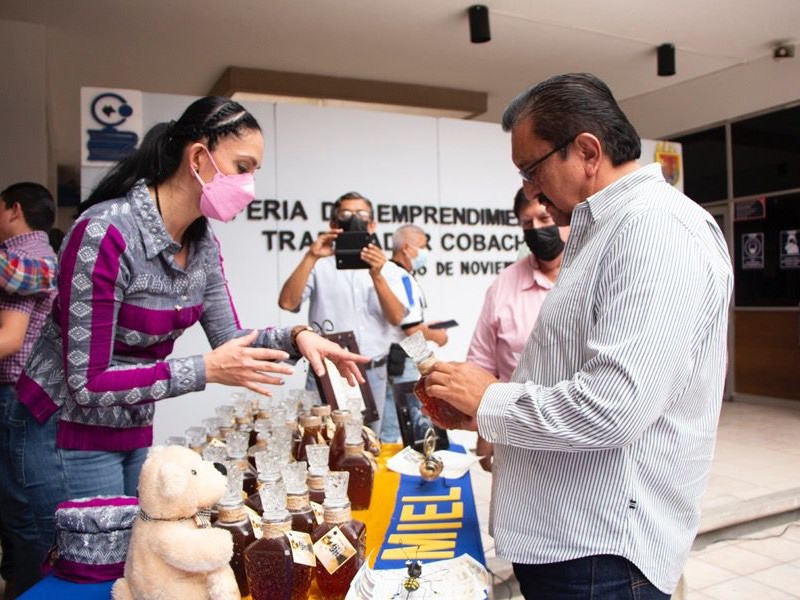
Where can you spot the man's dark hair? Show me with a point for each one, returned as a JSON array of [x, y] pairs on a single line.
[[521, 202], [351, 196], [566, 105], [36, 203]]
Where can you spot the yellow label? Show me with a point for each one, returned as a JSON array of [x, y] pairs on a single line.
[[431, 513], [302, 548], [421, 545], [333, 550]]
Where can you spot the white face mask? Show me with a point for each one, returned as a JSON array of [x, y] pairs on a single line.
[[420, 259]]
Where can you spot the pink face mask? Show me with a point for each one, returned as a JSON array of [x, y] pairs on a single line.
[[225, 196]]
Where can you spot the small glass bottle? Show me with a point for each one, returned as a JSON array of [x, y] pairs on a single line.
[[294, 476], [237, 442], [272, 573], [269, 473], [355, 462], [233, 517], [323, 411], [196, 438], [439, 410], [334, 586], [318, 461], [311, 434]]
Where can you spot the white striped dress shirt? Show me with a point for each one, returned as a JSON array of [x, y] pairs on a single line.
[[605, 435]]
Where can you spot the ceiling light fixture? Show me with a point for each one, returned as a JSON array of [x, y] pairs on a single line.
[[479, 24], [666, 60]]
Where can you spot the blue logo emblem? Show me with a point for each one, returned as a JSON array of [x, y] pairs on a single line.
[[109, 144]]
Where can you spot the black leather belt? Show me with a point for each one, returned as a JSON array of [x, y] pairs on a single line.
[[376, 363]]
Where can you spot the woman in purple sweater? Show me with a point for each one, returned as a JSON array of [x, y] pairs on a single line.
[[141, 265]]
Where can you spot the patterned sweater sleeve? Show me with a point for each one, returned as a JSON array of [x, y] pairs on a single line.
[[26, 275], [95, 268], [219, 319]]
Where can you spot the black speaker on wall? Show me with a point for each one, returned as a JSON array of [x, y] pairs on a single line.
[[479, 24], [666, 60]]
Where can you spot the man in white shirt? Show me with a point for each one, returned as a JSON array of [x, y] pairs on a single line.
[[604, 436], [357, 300]]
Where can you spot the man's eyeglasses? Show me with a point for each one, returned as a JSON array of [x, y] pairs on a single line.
[[528, 174], [346, 215]]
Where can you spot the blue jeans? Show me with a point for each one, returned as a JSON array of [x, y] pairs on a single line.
[[36, 469], [18, 530], [390, 429], [101, 473], [603, 577]]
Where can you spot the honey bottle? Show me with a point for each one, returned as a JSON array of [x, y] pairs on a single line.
[[323, 411], [339, 542], [276, 565], [361, 469], [439, 410], [294, 476], [318, 460], [269, 473], [233, 517], [311, 434], [237, 442]]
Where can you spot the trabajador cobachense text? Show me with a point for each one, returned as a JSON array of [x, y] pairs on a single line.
[[282, 211]]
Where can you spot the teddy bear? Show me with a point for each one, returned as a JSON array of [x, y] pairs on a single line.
[[174, 554]]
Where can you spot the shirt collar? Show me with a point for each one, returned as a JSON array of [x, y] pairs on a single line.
[[24, 240], [607, 198], [533, 276], [149, 221]]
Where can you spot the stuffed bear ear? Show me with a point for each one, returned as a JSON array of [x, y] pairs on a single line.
[[173, 479]]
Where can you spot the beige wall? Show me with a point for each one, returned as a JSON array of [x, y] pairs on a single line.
[[23, 114]]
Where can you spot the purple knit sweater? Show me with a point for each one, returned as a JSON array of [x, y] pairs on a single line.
[[123, 301]]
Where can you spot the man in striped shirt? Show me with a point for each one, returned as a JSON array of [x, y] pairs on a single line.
[[604, 436]]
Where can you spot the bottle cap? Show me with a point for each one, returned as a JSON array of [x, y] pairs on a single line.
[[215, 454], [233, 493], [237, 442], [196, 436], [294, 475], [340, 416], [336, 488], [269, 468], [352, 432], [263, 425], [310, 421], [212, 425], [321, 410], [416, 347], [241, 405], [318, 456], [273, 501], [226, 412], [176, 440]]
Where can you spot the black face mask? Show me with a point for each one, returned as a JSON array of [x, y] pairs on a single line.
[[354, 224], [545, 242]]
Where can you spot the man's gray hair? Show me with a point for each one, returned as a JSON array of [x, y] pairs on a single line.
[[402, 234]]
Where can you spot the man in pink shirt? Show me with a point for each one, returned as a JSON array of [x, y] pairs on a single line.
[[513, 300]]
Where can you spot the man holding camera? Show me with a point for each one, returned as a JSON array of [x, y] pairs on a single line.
[[355, 299]]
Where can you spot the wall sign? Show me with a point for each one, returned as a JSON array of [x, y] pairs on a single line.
[[753, 250], [111, 124]]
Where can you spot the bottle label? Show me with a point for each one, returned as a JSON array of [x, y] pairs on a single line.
[[302, 548], [319, 512], [333, 550], [255, 521]]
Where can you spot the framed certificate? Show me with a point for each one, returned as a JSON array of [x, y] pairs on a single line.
[[339, 394]]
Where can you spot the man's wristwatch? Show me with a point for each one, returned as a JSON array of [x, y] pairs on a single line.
[[297, 330]]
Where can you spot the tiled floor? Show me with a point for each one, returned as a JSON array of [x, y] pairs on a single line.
[[756, 472]]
